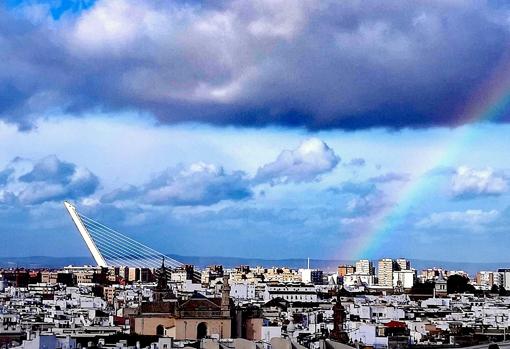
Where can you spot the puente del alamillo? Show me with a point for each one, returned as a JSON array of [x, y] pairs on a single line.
[[110, 248]]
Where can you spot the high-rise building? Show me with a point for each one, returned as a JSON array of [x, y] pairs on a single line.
[[365, 267], [496, 279], [345, 270], [432, 274], [133, 274], [487, 278], [504, 278], [312, 276], [403, 264], [317, 277], [385, 270]]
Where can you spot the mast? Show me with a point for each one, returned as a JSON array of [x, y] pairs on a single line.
[[100, 261]]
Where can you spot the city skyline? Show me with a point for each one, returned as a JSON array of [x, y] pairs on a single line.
[[228, 135]]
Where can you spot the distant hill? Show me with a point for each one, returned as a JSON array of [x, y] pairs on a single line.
[[201, 262], [43, 262], [331, 264], [296, 263]]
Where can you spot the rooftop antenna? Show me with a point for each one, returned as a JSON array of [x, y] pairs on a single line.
[[308, 262]]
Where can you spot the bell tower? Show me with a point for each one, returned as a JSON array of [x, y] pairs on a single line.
[[162, 290], [225, 297], [338, 334]]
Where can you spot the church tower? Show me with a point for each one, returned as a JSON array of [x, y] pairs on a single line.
[[338, 334], [225, 297], [162, 290]]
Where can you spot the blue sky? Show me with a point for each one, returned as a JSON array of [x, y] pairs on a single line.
[[268, 129]]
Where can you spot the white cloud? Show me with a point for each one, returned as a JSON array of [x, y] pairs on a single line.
[[196, 184], [390, 177], [279, 18], [469, 219], [109, 25], [306, 163], [469, 183], [352, 220], [7, 197], [365, 205], [48, 179]]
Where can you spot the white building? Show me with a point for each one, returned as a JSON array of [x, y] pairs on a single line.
[[375, 312], [405, 278], [178, 276], [242, 291], [47, 341], [504, 275], [306, 275], [311, 276], [364, 266], [359, 279], [368, 335], [291, 292], [9, 324]]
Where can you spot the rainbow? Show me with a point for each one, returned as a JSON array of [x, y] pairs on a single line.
[[488, 103]]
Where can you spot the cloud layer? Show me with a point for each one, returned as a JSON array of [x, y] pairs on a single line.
[[307, 202], [207, 184], [319, 64]]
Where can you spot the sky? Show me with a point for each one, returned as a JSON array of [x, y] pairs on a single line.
[[268, 128]]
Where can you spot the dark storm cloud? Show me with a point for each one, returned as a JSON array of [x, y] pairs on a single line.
[[318, 64]]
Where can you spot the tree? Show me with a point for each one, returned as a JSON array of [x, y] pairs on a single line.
[[423, 288], [494, 289], [459, 284]]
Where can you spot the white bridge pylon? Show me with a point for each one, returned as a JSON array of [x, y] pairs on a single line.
[[110, 248]]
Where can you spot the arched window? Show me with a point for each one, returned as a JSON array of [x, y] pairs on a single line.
[[160, 330], [201, 330]]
